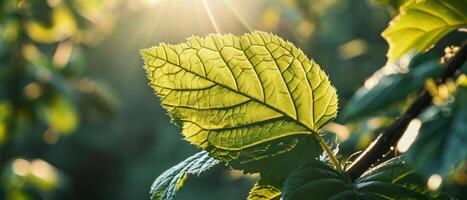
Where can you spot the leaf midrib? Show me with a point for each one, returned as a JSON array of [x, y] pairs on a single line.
[[237, 92]]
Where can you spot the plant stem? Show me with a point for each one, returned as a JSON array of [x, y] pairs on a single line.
[[328, 150], [383, 147]]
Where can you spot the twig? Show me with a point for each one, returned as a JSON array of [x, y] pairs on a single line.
[[379, 150]]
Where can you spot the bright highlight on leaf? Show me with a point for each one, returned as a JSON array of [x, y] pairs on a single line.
[[234, 92], [421, 24], [263, 192]]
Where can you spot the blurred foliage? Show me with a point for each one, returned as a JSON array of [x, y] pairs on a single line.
[[391, 89], [390, 85], [393, 5], [440, 147], [36, 179], [42, 84], [73, 94]]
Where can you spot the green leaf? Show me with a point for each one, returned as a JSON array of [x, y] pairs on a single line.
[[265, 189], [388, 180], [389, 90], [442, 139], [273, 160], [233, 92], [264, 192], [165, 186], [421, 24], [314, 179]]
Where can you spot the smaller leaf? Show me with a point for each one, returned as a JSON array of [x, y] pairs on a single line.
[[388, 180], [273, 160], [265, 189], [315, 180], [165, 186], [421, 24]]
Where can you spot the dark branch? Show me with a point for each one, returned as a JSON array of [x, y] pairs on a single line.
[[380, 149]]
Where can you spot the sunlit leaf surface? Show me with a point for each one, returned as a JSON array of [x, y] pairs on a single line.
[[231, 93], [264, 190], [421, 24]]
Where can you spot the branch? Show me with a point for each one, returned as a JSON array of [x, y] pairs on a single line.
[[380, 149]]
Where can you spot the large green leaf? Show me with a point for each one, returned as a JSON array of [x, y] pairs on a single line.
[[389, 180], [231, 93], [389, 90], [442, 140], [165, 186], [421, 24]]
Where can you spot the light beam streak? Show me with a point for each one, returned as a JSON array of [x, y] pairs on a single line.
[[211, 17], [237, 14]]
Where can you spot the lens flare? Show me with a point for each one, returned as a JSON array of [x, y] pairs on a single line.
[[434, 182]]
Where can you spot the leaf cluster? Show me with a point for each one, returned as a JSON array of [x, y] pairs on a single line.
[[256, 103]]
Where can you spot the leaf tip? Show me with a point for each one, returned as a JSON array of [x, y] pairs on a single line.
[[144, 53]]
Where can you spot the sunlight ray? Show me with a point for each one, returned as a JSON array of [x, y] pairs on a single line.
[[237, 14], [211, 17], [148, 31]]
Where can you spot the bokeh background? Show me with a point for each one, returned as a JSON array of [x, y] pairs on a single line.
[[78, 119]]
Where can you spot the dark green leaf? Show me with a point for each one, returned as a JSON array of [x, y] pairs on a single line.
[[165, 186], [389, 90], [273, 160], [317, 180]]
